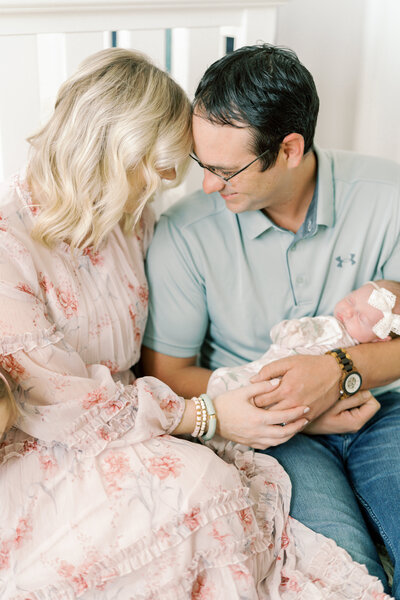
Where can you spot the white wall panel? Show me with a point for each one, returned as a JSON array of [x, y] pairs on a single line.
[[152, 42], [19, 99]]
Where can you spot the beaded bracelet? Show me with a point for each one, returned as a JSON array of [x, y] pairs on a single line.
[[212, 418], [198, 417], [204, 417], [201, 417]]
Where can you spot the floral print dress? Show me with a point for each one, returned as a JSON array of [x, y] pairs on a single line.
[[98, 500]]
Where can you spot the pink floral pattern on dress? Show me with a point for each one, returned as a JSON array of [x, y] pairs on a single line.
[[143, 294], [24, 287], [165, 466], [44, 282], [22, 533], [12, 366], [92, 398], [94, 256], [49, 465], [192, 518], [246, 517], [170, 403], [67, 302], [115, 466]]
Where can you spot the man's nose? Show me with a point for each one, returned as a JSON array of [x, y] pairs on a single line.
[[211, 182]]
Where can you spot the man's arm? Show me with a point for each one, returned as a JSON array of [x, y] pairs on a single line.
[[181, 374], [314, 380], [378, 363]]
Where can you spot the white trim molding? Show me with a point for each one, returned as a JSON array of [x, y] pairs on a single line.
[[52, 16]]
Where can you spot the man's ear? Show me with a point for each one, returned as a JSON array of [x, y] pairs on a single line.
[[293, 148]]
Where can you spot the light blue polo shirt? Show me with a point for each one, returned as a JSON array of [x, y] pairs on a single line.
[[219, 281]]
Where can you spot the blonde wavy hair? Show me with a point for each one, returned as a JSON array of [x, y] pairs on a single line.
[[118, 115]]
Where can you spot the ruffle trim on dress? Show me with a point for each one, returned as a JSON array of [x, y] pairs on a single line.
[[154, 546], [334, 566], [16, 449], [28, 341], [108, 421], [90, 432], [96, 427]]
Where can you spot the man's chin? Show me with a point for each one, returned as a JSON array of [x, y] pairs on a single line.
[[233, 203]]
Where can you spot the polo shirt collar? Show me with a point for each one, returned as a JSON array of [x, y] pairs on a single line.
[[254, 222]]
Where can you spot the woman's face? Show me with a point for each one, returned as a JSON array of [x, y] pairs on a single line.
[[137, 185]]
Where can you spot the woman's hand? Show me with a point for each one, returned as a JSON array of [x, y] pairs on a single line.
[[239, 420], [346, 416]]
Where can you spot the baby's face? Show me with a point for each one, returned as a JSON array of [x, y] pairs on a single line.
[[357, 316]]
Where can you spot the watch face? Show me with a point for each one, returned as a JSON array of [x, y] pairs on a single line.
[[352, 383]]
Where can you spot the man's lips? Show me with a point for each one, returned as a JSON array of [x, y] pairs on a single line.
[[228, 196]]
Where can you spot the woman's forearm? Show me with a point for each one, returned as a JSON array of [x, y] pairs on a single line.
[[188, 421]]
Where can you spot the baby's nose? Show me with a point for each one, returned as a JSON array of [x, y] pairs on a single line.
[[348, 312]]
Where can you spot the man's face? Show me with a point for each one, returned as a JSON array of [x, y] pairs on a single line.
[[228, 149]]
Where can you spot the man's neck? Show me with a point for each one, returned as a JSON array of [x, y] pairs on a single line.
[[292, 211]]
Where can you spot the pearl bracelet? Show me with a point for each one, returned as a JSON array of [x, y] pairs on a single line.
[[201, 417]]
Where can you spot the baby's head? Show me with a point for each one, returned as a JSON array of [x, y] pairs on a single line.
[[372, 312]]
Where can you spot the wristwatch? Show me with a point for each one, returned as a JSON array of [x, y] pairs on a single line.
[[351, 378]]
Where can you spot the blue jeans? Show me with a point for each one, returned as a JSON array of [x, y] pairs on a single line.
[[347, 487]]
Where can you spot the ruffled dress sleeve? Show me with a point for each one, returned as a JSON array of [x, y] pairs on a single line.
[[62, 398]]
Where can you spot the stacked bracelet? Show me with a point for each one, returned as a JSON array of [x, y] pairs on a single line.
[[201, 417], [212, 418], [206, 418]]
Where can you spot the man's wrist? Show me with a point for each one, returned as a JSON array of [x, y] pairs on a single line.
[[350, 379]]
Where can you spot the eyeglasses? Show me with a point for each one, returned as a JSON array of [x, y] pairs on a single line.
[[224, 175]]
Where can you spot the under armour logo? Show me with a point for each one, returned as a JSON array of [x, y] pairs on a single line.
[[347, 259]]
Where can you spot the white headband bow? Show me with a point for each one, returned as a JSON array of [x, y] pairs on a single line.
[[384, 300]]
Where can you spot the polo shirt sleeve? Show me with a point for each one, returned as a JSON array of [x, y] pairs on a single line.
[[391, 269], [178, 316], [391, 266]]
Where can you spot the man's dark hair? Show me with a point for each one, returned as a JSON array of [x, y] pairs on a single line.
[[266, 88]]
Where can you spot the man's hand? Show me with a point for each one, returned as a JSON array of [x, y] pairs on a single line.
[[346, 416], [241, 421], [304, 381]]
